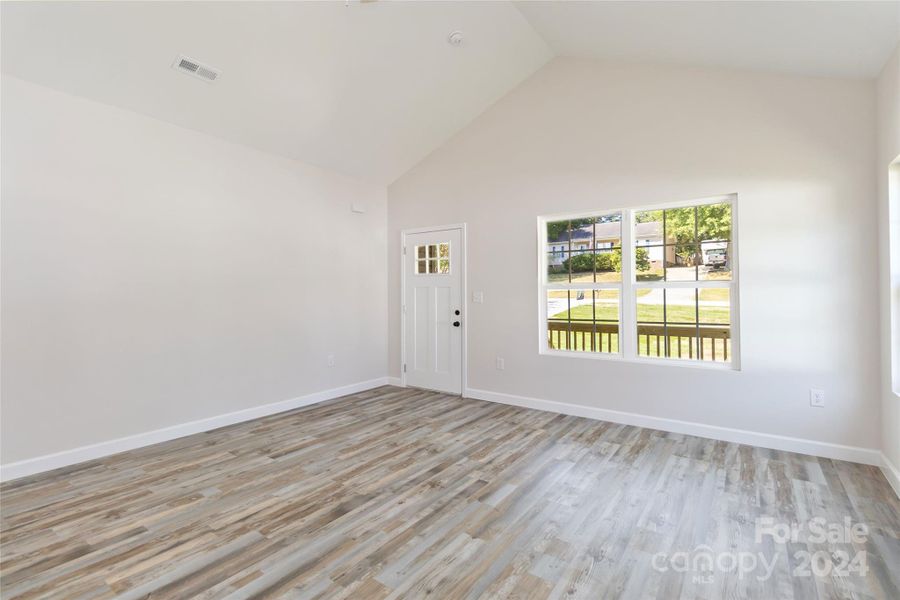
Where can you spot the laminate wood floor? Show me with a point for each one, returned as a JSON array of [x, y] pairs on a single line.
[[400, 493]]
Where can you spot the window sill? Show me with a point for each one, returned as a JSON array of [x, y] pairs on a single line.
[[662, 362]]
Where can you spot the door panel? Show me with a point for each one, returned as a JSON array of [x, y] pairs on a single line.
[[442, 344], [421, 317], [433, 265]]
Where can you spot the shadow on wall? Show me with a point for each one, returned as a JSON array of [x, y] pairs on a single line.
[[894, 240]]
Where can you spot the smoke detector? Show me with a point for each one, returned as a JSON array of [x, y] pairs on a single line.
[[455, 38], [195, 68]]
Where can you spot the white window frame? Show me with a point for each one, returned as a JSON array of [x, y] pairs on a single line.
[[628, 342]]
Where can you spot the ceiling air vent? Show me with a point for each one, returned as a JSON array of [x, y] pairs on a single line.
[[195, 68]]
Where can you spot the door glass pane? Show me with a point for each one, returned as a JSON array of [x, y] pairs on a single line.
[[433, 259]]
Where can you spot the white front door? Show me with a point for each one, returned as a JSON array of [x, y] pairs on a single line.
[[433, 309]]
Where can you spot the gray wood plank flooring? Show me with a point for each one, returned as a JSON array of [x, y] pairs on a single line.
[[402, 493]]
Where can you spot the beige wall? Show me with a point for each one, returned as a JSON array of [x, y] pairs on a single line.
[[889, 219], [583, 135], [154, 276]]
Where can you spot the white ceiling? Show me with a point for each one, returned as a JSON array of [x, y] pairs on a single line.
[[366, 89], [839, 39], [370, 89]]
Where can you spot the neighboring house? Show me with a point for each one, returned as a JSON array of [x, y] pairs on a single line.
[[608, 235], [604, 236]]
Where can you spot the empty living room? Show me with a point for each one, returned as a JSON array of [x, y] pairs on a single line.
[[381, 299]]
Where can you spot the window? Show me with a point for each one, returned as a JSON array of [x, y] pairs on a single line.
[[654, 283], [433, 259]]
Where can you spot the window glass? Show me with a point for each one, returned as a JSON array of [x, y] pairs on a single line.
[[433, 259], [685, 323], [583, 320], [679, 294]]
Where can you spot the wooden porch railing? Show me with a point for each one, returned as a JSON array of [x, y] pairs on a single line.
[[714, 340]]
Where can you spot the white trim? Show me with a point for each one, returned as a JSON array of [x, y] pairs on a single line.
[[464, 301], [643, 360], [629, 346], [397, 381], [66, 458], [891, 473], [640, 208], [867, 456]]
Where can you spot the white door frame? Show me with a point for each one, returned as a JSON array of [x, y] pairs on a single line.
[[463, 293]]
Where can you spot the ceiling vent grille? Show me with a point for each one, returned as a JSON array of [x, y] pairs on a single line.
[[195, 68]]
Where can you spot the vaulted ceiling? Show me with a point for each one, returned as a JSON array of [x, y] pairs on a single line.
[[829, 39], [369, 89]]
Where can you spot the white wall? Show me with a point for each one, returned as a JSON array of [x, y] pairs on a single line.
[[889, 219], [583, 135], [153, 275]]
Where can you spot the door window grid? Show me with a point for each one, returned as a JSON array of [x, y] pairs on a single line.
[[433, 259]]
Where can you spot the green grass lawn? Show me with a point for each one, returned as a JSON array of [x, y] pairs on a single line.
[[650, 313], [588, 277], [654, 274], [722, 294], [615, 277]]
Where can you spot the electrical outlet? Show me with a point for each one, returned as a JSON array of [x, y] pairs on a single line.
[[478, 297], [817, 398], [331, 360], [500, 364]]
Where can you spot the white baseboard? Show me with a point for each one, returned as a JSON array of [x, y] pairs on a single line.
[[76, 455], [891, 473], [867, 456], [395, 381]]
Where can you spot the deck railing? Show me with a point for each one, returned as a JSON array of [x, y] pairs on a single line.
[[706, 342]]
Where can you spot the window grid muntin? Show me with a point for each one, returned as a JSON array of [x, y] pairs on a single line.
[[433, 261], [665, 283], [596, 336], [628, 344], [590, 248]]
